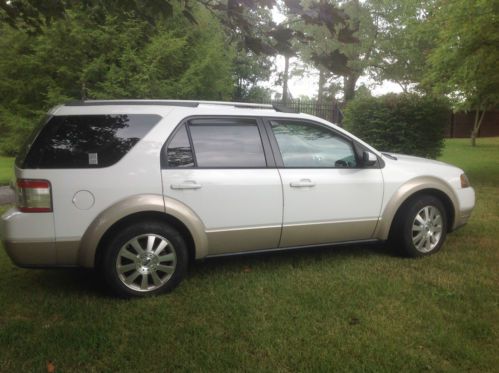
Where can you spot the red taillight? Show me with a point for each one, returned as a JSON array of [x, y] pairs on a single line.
[[34, 195]]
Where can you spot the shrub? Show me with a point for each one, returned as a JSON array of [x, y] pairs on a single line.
[[405, 123]]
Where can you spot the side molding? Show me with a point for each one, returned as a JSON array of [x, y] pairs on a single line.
[[403, 193], [136, 204]]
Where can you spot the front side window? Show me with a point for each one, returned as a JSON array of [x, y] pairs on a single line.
[[312, 146]]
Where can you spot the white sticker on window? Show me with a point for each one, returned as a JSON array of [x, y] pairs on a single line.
[[93, 158]]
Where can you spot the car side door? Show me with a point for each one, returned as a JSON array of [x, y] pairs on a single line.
[[222, 168], [330, 196]]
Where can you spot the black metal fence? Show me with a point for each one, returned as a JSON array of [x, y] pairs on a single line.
[[329, 111]]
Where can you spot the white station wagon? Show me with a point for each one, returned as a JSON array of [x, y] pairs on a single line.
[[136, 189]]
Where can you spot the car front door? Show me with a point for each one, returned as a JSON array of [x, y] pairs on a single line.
[[329, 196], [223, 170]]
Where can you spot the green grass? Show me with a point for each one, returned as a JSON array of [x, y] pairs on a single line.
[[343, 308], [6, 170]]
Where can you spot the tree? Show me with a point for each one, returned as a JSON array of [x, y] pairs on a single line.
[[463, 63], [33, 15], [403, 40], [344, 49], [80, 56]]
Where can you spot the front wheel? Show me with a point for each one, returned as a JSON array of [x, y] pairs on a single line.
[[421, 227], [146, 258]]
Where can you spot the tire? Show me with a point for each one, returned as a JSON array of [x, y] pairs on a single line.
[[421, 227], [144, 259]]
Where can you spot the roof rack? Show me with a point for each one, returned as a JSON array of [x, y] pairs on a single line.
[[132, 102], [240, 105]]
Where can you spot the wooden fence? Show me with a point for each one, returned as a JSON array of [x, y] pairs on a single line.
[[461, 124]]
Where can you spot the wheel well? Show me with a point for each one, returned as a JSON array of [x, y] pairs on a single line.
[[446, 201], [140, 217]]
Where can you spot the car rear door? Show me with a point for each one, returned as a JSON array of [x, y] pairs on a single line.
[[223, 169], [328, 195]]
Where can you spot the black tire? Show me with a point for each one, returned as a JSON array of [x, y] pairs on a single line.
[[130, 249], [420, 227]]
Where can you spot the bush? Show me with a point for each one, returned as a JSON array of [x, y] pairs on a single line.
[[405, 123]]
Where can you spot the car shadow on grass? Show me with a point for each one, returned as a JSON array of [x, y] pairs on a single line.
[[87, 282], [296, 257]]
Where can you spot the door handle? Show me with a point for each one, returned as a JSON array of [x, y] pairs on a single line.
[[188, 184], [302, 183]]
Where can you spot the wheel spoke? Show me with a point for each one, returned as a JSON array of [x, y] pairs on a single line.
[[144, 282], [427, 245], [155, 278], [417, 228], [131, 278], [136, 245], [420, 243], [166, 258], [426, 214], [418, 237], [160, 247], [166, 269], [126, 268], [150, 243], [128, 254], [420, 219]]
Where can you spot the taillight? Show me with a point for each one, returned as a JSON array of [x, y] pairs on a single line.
[[34, 195]]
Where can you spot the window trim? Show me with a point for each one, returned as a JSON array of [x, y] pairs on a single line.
[[266, 146], [277, 152]]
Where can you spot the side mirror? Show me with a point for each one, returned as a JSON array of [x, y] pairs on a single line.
[[368, 158]]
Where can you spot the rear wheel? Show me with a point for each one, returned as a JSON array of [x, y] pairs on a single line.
[[146, 258], [421, 227]]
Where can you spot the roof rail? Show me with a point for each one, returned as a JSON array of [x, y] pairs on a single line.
[[282, 108], [240, 105], [133, 102]]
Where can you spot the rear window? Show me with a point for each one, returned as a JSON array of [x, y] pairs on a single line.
[[86, 141]]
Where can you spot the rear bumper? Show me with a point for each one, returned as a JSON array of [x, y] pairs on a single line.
[[30, 254], [28, 239]]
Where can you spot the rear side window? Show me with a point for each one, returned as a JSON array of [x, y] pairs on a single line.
[[87, 141], [223, 143], [179, 153]]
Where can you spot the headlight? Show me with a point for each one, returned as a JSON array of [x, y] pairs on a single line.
[[465, 183]]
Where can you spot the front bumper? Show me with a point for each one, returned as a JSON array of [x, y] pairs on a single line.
[[466, 198], [29, 238]]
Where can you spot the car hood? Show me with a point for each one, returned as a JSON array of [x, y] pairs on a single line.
[[413, 161]]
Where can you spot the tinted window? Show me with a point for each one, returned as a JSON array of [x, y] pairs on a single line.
[[179, 153], [89, 141], [236, 144], [309, 145]]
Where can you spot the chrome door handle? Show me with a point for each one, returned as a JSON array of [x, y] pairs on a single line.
[[188, 184], [302, 183]]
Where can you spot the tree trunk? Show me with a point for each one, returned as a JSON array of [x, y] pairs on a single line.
[[349, 82], [476, 126], [285, 80], [83, 92]]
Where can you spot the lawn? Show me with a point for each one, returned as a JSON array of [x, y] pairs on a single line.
[[6, 170], [338, 309]]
